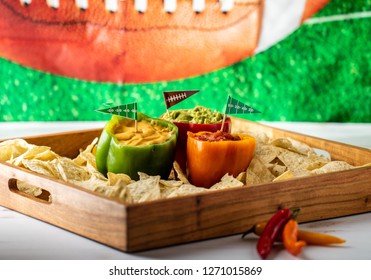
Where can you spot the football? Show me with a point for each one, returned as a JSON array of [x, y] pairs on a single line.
[[139, 41]]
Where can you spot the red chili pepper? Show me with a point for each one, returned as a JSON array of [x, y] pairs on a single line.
[[272, 231]]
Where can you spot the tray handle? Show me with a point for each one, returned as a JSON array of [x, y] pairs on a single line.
[[25, 189]]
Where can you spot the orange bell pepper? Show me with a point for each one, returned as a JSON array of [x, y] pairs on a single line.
[[208, 161]]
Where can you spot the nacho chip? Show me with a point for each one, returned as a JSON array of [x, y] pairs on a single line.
[[99, 185], [171, 183], [28, 188], [332, 166], [227, 181], [87, 156], [144, 190], [292, 145], [187, 189], [316, 161], [242, 177], [276, 169], [284, 176], [169, 186], [110, 191], [257, 172], [69, 170], [41, 167], [296, 163], [11, 149], [180, 174], [114, 179], [315, 165], [260, 137], [267, 153]]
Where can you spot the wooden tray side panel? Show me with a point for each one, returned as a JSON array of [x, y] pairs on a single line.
[[162, 223], [233, 211], [353, 155], [71, 208]]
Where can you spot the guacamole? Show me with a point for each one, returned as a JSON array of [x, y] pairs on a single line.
[[197, 115]]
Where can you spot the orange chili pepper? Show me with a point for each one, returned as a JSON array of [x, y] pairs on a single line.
[[290, 238], [316, 238], [311, 238], [209, 161]]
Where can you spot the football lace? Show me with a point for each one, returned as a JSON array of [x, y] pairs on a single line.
[[141, 6]]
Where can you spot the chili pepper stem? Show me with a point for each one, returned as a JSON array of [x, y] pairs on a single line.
[[251, 230], [295, 213]]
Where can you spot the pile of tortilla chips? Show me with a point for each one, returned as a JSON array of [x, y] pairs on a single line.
[[274, 160]]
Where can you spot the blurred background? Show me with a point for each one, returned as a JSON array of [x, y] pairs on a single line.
[[312, 67]]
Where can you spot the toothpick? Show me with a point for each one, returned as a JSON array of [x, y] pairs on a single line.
[[224, 117]]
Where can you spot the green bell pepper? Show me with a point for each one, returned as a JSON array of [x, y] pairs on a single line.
[[154, 159]]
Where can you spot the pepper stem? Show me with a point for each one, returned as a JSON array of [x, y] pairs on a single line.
[[295, 213], [251, 230]]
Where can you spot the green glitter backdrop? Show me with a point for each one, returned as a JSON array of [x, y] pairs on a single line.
[[320, 73]]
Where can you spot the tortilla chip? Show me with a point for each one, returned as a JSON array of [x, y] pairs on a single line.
[[315, 165], [41, 167], [227, 181], [260, 137], [332, 166], [28, 188], [267, 153], [276, 169], [257, 172], [171, 183], [292, 145], [114, 179], [87, 156], [296, 163], [11, 149], [187, 189], [169, 186], [242, 177], [34, 152], [284, 176], [180, 174], [144, 190], [110, 191], [69, 170]]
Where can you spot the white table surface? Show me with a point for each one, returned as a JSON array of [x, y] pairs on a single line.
[[23, 237]]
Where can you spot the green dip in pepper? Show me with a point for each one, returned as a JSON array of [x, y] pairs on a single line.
[[197, 115]]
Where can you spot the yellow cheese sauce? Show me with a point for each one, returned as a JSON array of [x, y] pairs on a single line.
[[148, 133]]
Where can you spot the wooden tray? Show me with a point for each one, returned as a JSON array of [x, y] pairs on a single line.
[[196, 217]]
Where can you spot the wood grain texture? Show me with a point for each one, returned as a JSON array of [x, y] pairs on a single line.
[[179, 220]]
